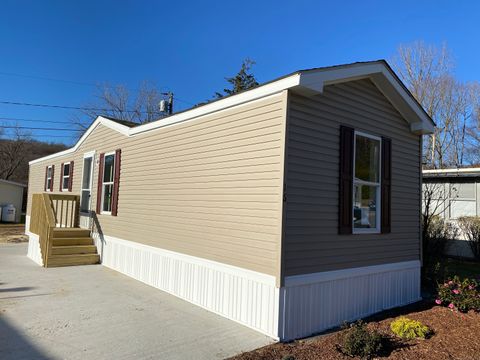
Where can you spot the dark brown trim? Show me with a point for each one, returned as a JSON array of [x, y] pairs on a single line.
[[345, 202], [386, 186], [70, 177], [99, 184], [116, 181], [53, 176]]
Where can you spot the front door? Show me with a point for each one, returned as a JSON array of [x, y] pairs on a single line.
[[85, 200]]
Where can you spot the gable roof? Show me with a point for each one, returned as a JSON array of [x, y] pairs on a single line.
[[308, 82]]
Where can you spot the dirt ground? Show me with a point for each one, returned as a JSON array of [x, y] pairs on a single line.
[[456, 336], [12, 233]]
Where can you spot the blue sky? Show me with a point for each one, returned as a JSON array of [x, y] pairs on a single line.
[[189, 47]]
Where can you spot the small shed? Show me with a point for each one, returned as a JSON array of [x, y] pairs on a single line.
[[12, 193]]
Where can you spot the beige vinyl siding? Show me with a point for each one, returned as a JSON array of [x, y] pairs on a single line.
[[210, 187], [311, 242]]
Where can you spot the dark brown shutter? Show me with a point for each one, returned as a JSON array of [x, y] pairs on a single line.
[[70, 177], [100, 182], [46, 175], [53, 175], [116, 181], [345, 217], [385, 204], [61, 177]]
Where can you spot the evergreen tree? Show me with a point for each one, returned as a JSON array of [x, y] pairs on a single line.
[[244, 80]]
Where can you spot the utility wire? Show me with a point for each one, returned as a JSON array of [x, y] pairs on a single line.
[[35, 120], [39, 128]]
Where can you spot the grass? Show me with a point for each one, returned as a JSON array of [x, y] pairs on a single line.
[[463, 268]]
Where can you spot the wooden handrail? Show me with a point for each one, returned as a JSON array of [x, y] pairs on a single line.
[[50, 211]]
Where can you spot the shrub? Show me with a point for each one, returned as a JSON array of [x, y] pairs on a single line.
[[463, 295], [360, 341], [470, 226], [409, 329]]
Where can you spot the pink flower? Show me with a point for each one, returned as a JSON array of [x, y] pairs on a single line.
[[450, 282], [438, 301], [456, 291], [451, 306], [471, 287]]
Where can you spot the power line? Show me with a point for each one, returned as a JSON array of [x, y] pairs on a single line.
[[35, 120], [39, 128]]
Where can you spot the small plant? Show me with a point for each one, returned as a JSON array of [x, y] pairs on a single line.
[[360, 341], [462, 295], [409, 329]]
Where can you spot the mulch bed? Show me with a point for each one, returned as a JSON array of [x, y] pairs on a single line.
[[12, 233], [456, 336]]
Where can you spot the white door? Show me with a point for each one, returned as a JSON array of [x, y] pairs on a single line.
[[86, 193]]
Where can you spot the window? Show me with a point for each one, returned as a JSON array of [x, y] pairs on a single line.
[[366, 183], [49, 179], [107, 183], [65, 177]]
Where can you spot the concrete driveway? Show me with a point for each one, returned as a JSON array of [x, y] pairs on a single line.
[[91, 312]]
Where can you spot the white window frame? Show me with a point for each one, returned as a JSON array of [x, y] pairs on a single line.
[[63, 177], [91, 155], [49, 179], [109, 183], [377, 228]]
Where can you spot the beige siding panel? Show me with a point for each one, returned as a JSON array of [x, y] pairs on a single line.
[[210, 187], [311, 242]]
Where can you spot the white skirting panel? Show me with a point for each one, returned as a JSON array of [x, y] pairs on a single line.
[[33, 252], [245, 296], [316, 302]]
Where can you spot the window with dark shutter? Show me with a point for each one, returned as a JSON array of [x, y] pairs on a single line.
[[346, 180], [386, 185], [100, 183], [116, 182]]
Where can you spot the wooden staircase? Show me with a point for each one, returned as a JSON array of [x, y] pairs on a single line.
[[72, 246], [62, 242]]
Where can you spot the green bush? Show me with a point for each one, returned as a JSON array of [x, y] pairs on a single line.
[[409, 329], [463, 295], [470, 226], [359, 341]]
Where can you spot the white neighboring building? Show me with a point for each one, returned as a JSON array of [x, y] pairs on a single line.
[[12, 193], [462, 190]]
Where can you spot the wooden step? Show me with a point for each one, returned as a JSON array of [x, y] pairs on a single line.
[[70, 260], [70, 241], [74, 249], [70, 232]]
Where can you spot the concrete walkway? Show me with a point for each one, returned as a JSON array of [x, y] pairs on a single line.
[[91, 312]]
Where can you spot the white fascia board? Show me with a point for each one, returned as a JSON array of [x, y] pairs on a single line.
[[99, 120], [451, 171], [383, 79], [223, 104]]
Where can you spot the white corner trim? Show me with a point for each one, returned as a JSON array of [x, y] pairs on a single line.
[[298, 280], [242, 295]]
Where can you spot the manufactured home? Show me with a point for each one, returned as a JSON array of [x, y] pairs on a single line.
[[289, 208], [455, 193]]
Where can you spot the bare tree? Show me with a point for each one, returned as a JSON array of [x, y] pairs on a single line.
[[117, 101], [428, 73], [13, 152]]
